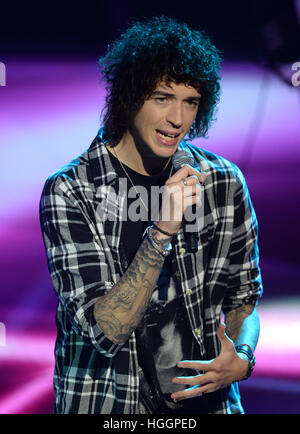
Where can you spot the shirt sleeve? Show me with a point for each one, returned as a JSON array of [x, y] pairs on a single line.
[[244, 280], [77, 264]]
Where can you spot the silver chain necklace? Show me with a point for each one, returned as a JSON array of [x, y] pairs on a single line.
[[127, 174]]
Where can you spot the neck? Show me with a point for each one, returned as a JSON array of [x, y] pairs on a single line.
[[130, 154]]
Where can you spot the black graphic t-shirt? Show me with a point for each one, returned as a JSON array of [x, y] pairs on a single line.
[[165, 334], [168, 332]]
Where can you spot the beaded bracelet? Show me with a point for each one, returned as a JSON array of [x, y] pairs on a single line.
[[164, 251]]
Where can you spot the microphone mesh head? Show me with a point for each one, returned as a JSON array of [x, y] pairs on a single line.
[[181, 158]]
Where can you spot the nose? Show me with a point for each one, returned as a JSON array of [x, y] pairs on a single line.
[[175, 115]]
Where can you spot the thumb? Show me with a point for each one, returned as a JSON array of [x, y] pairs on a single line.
[[224, 339], [221, 332]]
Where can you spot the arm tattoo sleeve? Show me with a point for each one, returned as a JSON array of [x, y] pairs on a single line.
[[119, 312]]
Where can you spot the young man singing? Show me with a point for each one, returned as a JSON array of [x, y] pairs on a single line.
[[139, 311]]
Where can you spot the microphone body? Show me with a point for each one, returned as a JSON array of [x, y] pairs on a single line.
[[179, 159]]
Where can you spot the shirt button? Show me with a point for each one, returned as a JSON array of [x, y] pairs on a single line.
[[189, 292], [182, 251]]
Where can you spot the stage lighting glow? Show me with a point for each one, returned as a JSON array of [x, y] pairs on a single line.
[[278, 350], [28, 393]]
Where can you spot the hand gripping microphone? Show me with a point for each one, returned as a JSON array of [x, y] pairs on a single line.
[[179, 159]]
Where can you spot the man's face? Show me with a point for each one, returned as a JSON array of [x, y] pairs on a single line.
[[165, 119]]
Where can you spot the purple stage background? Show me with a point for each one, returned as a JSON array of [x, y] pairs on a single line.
[[49, 113]]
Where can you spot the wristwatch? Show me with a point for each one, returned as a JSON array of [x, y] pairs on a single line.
[[245, 349]]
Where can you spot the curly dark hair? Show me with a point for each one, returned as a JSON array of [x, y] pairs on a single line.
[[159, 49]]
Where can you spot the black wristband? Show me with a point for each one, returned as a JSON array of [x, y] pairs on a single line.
[[163, 232]]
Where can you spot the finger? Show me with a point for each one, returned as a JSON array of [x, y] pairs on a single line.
[[211, 387], [184, 172], [179, 200], [191, 392], [201, 175], [195, 391], [208, 388], [188, 201], [190, 181], [193, 179], [203, 365], [192, 380], [195, 380], [189, 188]]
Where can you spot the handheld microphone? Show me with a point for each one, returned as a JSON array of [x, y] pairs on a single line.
[[179, 159]]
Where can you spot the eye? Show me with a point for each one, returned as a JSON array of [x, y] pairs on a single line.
[[193, 103], [161, 99]]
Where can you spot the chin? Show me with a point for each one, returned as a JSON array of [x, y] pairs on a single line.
[[153, 149], [165, 151], [164, 155]]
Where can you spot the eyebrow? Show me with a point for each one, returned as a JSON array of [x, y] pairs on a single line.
[[163, 93]]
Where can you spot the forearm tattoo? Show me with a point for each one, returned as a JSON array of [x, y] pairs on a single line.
[[163, 242], [235, 319], [119, 312]]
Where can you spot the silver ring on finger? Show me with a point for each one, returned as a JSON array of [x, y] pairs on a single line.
[[184, 182]]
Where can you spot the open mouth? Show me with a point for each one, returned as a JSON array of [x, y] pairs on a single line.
[[167, 136]]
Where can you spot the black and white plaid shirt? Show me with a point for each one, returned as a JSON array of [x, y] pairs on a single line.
[[93, 374]]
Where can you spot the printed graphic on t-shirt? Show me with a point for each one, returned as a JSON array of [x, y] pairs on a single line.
[[168, 333]]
